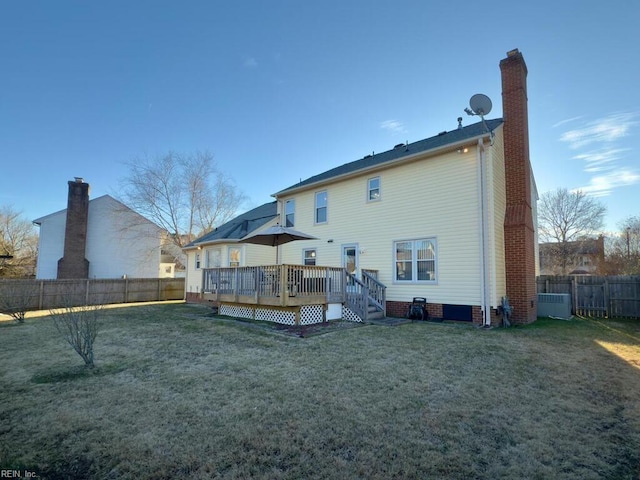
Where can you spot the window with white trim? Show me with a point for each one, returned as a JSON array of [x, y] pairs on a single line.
[[373, 189], [197, 260], [415, 260], [213, 258], [321, 207], [235, 256], [309, 256], [289, 213]]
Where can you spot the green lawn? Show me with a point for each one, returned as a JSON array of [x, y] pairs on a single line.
[[180, 394]]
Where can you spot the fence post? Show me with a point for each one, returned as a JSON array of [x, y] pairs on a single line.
[[126, 289], [86, 295], [607, 298], [159, 296], [41, 298], [574, 295]]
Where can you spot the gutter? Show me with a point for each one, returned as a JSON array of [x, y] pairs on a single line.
[[485, 297], [373, 168]]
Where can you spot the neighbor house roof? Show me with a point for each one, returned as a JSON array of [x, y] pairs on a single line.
[[240, 226], [94, 201], [443, 139]]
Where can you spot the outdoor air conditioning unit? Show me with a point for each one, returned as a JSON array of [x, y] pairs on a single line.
[[554, 305]]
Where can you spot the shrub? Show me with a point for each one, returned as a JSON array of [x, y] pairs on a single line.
[[79, 327]]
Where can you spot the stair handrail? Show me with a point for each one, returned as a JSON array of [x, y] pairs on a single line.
[[377, 291], [357, 298]]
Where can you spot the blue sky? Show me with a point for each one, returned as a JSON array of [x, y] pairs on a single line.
[[279, 91]]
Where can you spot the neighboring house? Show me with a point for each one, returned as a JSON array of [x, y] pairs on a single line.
[[220, 247], [581, 257], [451, 218], [99, 238]]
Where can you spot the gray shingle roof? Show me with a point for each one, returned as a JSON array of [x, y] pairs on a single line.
[[240, 226], [438, 141]]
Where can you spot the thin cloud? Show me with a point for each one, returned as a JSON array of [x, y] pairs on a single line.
[[600, 160], [604, 156], [393, 126], [608, 129], [251, 63], [603, 185], [568, 120]]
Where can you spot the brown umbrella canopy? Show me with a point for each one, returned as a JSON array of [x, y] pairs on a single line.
[[276, 235]]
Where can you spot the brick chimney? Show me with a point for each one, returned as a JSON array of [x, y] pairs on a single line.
[[519, 231], [74, 264]]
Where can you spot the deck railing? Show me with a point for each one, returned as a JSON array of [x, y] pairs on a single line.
[[283, 285], [377, 292]]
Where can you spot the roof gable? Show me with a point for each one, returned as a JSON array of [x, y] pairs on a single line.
[[438, 141], [108, 199]]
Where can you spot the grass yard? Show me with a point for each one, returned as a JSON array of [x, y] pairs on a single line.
[[179, 394]]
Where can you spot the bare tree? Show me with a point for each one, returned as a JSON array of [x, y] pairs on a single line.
[[186, 195], [566, 219], [18, 240], [623, 249], [79, 327]]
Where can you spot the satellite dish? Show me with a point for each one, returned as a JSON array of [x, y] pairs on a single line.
[[480, 104]]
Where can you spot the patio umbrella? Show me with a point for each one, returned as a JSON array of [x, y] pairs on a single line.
[[275, 236]]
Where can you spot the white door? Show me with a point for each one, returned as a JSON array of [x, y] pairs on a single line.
[[350, 259]]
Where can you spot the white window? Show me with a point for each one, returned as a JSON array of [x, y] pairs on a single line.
[[289, 213], [309, 256], [373, 189], [197, 260], [321, 207], [213, 258], [235, 256], [415, 260]]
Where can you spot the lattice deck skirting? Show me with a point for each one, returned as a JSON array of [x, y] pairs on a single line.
[[303, 315]]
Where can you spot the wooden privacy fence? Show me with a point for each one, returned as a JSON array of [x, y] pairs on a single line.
[[597, 296], [45, 294]]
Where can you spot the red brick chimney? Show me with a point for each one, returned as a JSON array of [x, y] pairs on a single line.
[[519, 231], [74, 264]]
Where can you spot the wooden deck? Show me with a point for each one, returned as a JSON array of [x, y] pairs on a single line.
[[275, 285]]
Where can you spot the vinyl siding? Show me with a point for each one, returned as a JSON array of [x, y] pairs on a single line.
[[121, 242], [434, 197], [50, 245]]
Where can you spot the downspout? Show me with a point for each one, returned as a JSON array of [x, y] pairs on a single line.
[[485, 302]]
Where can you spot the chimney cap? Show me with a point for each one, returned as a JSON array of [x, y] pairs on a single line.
[[513, 52], [78, 179]]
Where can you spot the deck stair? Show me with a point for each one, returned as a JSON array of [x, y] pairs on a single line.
[[366, 297]]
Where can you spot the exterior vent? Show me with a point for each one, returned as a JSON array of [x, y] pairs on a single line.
[[554, 305]]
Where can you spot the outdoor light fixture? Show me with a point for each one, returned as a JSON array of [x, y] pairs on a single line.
[[463, 150]]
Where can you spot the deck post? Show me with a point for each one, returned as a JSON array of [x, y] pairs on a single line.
[[235, 284], [283, 285]]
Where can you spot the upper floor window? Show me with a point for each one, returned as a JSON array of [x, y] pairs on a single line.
[[415, 260], [321, 207], [373, 189], [289, 213], [309, 256]]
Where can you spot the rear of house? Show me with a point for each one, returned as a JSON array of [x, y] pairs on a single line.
[[414, 215], [451, 218]]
